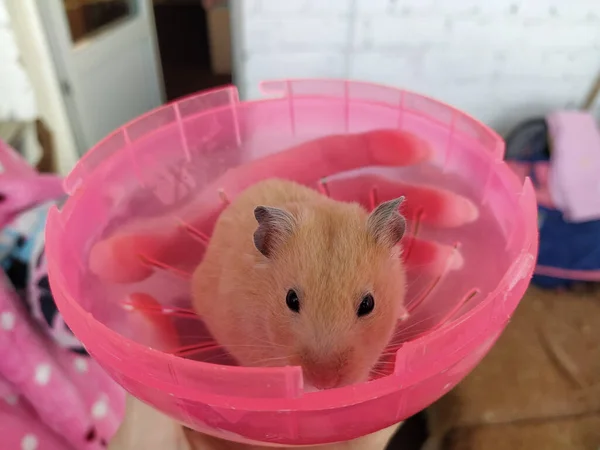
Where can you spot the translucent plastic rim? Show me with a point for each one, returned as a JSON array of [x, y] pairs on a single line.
[[92, 333]]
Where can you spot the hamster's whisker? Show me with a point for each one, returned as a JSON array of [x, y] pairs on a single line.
[[194, 232], [384, 362], [216, 357], [421, 273], [435, 282], [388, 359], [271, 360], [373, 197], [385, 367], [415, 303], [446, 317], [385, 370], [378, 374], [208, 357], [405, 332], [410, 308], [187, 350], [261, 265], [268, 343], [413, 325], [414, 267], [166, 312], [419, 297], [415, 280], [414, 232], [193, 350], [159, 309], [250, 346], [167, 268], [323, 187]]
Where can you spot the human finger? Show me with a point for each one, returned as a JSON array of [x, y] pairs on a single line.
[[429, 205], [124, 256]]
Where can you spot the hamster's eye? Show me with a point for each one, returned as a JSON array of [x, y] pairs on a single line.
[[366, 305], [292, 301]]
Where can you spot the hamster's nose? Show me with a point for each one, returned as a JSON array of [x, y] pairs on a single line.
[[323, 377]]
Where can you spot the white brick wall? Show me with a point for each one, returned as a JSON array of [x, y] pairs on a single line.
[[17, 100], [500, 60]]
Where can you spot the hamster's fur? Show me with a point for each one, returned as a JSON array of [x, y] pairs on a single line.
[[277, 237]]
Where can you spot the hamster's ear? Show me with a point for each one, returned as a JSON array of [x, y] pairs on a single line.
[[386, 224], [274, 226]]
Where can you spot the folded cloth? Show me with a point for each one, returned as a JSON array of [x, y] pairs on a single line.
[[66, 394], [573, 180], [21, 427], [21, 187]]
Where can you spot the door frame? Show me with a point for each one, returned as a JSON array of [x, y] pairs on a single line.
[[236, 21], [58, 35], [38, 61]]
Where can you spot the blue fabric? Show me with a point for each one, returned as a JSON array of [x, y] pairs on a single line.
[[564, 245]]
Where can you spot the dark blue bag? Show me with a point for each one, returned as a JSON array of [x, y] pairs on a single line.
[[568, 252]]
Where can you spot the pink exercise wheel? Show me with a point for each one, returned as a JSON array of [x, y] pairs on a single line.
[[153, 188]]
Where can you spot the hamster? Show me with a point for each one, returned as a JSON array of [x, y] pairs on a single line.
[[292, 277]]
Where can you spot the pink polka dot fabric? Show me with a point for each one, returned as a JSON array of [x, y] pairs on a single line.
[[52, 397]]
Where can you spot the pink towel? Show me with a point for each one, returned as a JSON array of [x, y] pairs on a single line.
[[574, 177], [53, 396]]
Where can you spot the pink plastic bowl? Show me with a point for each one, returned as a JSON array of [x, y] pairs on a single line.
[[153, 164]]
